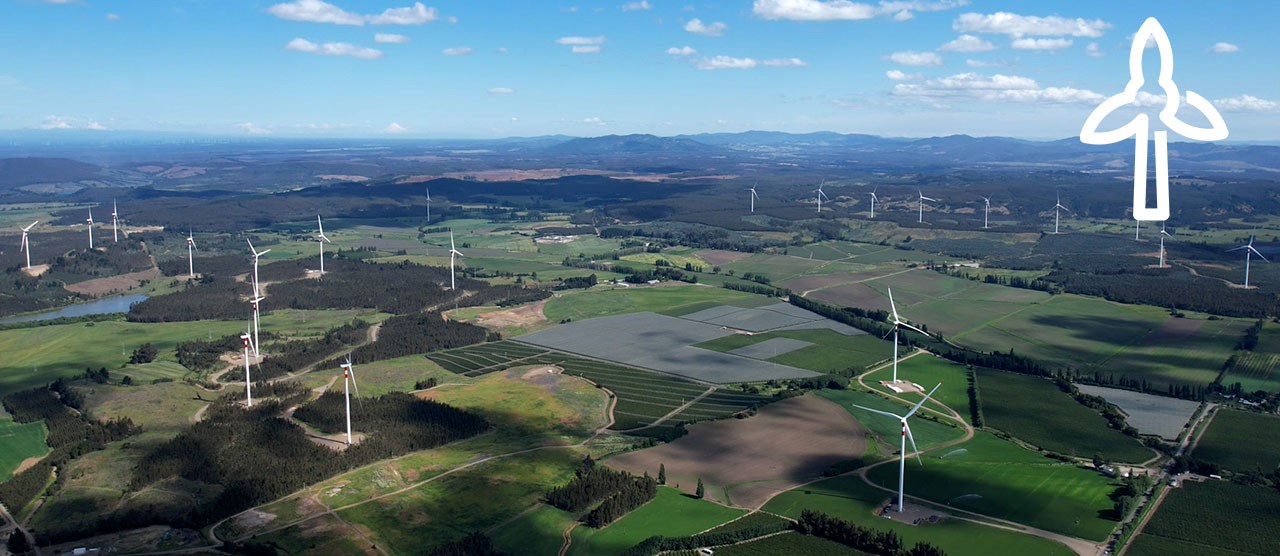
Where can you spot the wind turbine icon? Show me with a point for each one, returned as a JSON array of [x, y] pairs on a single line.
[[1139, 126]]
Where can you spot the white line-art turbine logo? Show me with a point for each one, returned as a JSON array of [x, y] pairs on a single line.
[[1139, 126]]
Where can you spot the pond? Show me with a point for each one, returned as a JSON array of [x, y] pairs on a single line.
[[115, 304]]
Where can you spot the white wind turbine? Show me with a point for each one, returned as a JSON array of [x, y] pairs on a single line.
[[819, 194], [922, 200], [321, 239], [1249, 252], [1057, 207], [26, 245], [452, 253], [906, 435], [428, 205], [248, 393], [115, 220], [256, 255], [348, 384], [754, 196], [90, 221], [897, 325], [986, 215], [255, 303], [873, 201], [191, 261], [1163, 233]]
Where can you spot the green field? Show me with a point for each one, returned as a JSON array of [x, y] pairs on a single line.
[[671, 514], [580, 305], [1214, 517], [1241, 441], [1035, 411], [20, 441], [998, 478], [847, 497], [536, 533], [788, 544], [1256, 370], [927, 433], [929, 371], [832, 351]]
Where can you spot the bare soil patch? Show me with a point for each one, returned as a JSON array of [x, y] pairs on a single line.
[[718, 256], [541, 370], [36, 270], [744, 462], [27, 463], [524, 315], [99, 287]]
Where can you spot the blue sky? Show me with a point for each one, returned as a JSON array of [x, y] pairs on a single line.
[[451, 69]]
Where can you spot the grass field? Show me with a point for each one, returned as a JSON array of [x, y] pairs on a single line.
[[20, 441], [671, 514], [929, 371], [1000, 479], [1256, 370], [847, 497], [536, 533], [1034, 410], [582, 305], [677, 261], [1214, 517], [1241, 441], [927, 433], [832, 352], [788, 544]]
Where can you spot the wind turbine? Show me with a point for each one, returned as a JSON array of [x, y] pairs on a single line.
[[321, 239], [1249, 252], [922, 200], [820, 194], [1163, 233], [452, 252], [873, 201], [897, 325], [906, 435], [255, 302], [754, 196], [115, 219], [428, 205], [248, 393], [1057, 207], [191, 261], [986, 215], [256, 255], [348, 383], [26, 245], [90, 221]]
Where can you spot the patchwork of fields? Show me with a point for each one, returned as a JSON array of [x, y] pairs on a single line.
[[1241, 441], [1213, 517]]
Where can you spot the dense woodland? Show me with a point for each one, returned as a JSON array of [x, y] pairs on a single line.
[[617, 493], [871, 541], [296, 355]]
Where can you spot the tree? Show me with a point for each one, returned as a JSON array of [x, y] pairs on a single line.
[[662, 473], [700, 491], [145, 353], [18, 542]]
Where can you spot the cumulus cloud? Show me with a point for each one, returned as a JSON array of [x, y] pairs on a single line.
[[112, 17], [580, 40], [784, 63], [70, 122], [910, 58], [994, 88], [319, 11], [501, 90], [417, 14], [1093, 50], [1246, 103], [334, 49], [845, 10], [985, 63], [585, 49], [1027, 43], [1224, 48], [967, 43], [682, 51], [457, 51], [253, 129], [390, 38], [696, 25], [593, 121], [632, 6], [395, 129], [731, 62], [1005, 23], [898, 75]]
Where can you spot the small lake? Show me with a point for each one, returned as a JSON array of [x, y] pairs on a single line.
[[115, 304]]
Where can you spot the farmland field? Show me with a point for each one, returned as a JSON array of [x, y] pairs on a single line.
[[1256, 370], [601, 302], [851, 499], [671, 514], [20, 441], [927, 433], [1150, 414], [1241, 441], [1034, 410], [787, 544], [928, 371], [1216, 515], [832, 352], [998, 478]]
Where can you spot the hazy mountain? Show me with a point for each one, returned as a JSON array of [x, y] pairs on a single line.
[[614, 145], [17, 172]]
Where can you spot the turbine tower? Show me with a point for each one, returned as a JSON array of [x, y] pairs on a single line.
[[256, 255], [191, 261], [248, 394], [1249, 252], [25, 246], [428, 205], [897, 325], [754, 196], [255, 302], [452, 253], [348, 383], [873, 201], [90, 221], [922, 200], [986, 215], [1163, 233], [321, 239], [115, 219], [1056, 208], [906, 435], [819, 194]]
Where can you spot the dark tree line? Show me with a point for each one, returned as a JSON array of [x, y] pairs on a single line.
[[760, 289], [1163, 289], [214, 298], [415, 334], [656, 544], [577, 282], [871, 541], [296, 355], [618, 492], [396, 423], [634, 493], [475, 544], [200, 355]]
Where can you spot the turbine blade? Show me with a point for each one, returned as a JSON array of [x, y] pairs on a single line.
[[1259, 254], [320, 224], [912, 438], [1239, 248], [915, 329], [877, 411], [922, 400], [896, 320]]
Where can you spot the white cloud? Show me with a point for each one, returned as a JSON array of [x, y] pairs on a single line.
[[334, 49], [95, 126], [395, 129], [585, 49], [898, 75], [986, 63], [593, 121], [695, 25], [730, 62], [1224, 48], [1027, 43], [1093, 50], [252, 129], [1246, 103], [501, 50], [1021, 25], [910, 58], [501, 90], [315, 11], [641, 5], [417, 14], [69, 122], [683, 51], [835, 10], [112, 17], [453, 19], [785, 63], [580, 40], [994, 88], [390, 38], [457, 51], [904, 15], [967, 43]]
